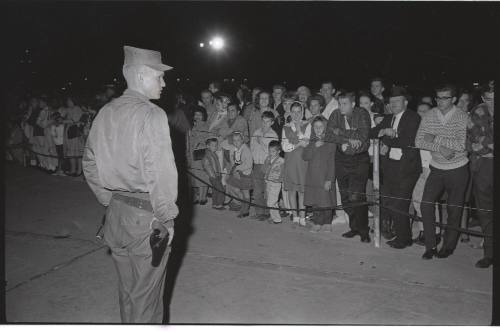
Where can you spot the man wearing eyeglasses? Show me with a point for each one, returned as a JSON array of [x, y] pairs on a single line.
[[443, 132], [480, 145]]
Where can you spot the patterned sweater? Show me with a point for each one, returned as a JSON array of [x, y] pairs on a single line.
[[450, 131]]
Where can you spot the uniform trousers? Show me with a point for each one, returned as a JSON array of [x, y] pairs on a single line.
[[140, 285]]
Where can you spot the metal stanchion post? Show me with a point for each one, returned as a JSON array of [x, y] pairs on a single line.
[[376, 193]]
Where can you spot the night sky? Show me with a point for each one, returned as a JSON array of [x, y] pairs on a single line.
[[268, 42]]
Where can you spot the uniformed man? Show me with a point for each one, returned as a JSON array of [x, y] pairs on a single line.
[[129, 165]]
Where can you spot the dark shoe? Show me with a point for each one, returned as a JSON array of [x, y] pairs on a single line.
[[196, 202], [443, 253], [350, 234], [203, 202], [390, 242], [420, 239], [243, 215], [386, 230], [397, 244], [262, 217], [365, 238], [428, 254], [218, 208], [234, 207], [484, 263], [283, 214]]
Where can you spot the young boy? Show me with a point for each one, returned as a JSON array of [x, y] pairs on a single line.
[[273, 175], [57, 132], [259, 144], [211, 166]]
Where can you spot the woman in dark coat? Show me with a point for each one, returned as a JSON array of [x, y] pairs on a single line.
[[320, 176]]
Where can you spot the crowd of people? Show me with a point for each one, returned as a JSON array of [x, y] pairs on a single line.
[[54, 129], [296, 155]]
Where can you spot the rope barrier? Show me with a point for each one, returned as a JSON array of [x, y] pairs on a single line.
[[366, 194], [441, 225], [336, 207]]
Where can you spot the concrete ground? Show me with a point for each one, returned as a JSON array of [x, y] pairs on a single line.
[[230, 270]]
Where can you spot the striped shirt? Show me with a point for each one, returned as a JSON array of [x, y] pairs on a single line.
[[450, 131]]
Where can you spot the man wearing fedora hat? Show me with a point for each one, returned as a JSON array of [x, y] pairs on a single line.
[[130, 167], [400, 164]]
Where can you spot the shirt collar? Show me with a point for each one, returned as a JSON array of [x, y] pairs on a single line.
[[400, 114], [137, 94]]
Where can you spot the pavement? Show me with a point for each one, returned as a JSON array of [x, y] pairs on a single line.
[[226, 270]]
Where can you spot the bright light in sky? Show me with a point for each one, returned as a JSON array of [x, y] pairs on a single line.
[[202, 45], [217, 43]]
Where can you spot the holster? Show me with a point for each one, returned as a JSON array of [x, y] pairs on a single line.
[[158, 247]]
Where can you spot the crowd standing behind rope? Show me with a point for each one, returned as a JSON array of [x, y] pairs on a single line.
[[289, 151]]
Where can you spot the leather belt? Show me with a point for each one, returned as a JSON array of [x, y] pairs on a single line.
[[135, 202]]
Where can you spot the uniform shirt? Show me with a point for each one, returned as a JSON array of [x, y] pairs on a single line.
[[129, 149]]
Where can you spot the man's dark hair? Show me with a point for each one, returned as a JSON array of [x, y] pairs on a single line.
[[268, 115], [377, 79], [275, 144], [366, 94], [349, 95], [328, 82], [210, 140], [319, 98], [196, 108], [232, 103], [219, 95], [279, 86], [447, 87]]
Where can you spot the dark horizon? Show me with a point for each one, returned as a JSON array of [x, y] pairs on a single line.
[[268, 42]]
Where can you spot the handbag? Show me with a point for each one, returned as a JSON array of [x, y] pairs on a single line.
[[74, 131]]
